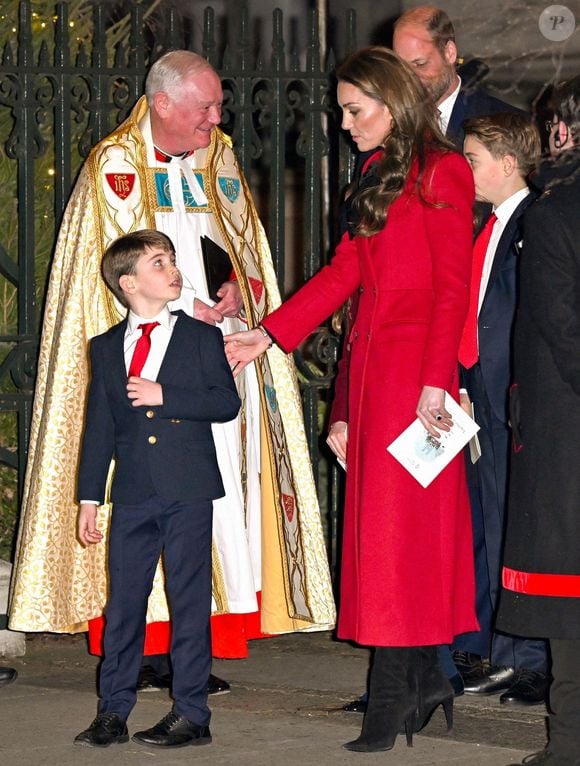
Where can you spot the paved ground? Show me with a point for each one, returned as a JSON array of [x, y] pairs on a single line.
[[284, 709]]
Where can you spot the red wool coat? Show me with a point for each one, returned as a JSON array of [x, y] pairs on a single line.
[[407, 559]]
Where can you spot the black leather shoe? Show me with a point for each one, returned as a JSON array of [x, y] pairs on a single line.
[[492, 681], [546, 758], [527, 688], [356, 706], [150, 681], [107, 729], [174, 731], [7, 675], [217, 686]]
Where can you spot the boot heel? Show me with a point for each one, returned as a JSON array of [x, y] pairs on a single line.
[[410, 724], [448, 710]]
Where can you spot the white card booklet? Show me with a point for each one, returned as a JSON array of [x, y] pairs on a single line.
[[423, 455]]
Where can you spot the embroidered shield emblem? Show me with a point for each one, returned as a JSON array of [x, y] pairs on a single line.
[[271, 397], [230, 187], [289, 505], [257, 288], [121, 183]]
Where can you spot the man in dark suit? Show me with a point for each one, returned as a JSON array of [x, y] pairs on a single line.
[[424, 37], [502, 150], [159, 380]]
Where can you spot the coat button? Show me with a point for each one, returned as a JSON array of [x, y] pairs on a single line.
[[152, 440], [150, 414], [175, 420]]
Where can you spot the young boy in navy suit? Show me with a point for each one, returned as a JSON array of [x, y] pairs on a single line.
[[159, 380], [502, 150]]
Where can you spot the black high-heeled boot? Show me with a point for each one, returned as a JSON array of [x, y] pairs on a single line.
[[393, 700], [434, 688]]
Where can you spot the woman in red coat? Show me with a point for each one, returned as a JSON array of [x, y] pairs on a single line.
[[407, 561]]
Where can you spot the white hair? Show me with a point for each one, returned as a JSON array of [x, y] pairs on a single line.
[[167, 72]]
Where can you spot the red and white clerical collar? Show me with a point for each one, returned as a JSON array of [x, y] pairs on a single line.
[[162, 156]]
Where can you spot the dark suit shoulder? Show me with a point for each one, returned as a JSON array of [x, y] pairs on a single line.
[[478, 103], [111, 334], [192, 325]]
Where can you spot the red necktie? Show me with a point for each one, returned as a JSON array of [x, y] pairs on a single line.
[[468, 353], [142, 348]]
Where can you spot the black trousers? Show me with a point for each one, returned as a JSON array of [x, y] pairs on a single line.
[[488, 481], [564, 719], [138, 536]]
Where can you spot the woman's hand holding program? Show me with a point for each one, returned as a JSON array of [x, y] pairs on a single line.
[[431, 411]]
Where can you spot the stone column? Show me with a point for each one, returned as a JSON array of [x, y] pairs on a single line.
[[12, 644]]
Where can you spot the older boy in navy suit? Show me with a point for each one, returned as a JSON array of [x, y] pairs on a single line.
[[159, 380], [502, 149]]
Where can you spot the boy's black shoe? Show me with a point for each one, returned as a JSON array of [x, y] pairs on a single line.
[[174, 731], [105, 730]]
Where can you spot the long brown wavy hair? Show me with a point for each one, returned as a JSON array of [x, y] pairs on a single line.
[[382, 75]]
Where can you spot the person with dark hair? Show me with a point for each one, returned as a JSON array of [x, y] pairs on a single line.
[[541, 566], [425, 38], [502, 149], [408, 251], [159, 379]]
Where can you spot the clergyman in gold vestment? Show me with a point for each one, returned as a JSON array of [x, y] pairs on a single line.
[[267, 531]]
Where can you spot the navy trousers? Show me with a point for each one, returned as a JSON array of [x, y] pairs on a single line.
[[138, 536], [488, 482]]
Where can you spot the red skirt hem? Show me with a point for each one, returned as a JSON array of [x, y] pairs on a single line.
[[230, 634]]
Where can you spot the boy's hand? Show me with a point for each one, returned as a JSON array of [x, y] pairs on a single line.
[[88, 532], [144, 392]]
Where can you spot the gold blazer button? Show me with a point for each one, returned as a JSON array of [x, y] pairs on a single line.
[[150, 414], [152, 440]]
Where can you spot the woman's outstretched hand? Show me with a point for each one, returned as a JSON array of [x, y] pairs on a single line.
[[243, 347], [431, 410]]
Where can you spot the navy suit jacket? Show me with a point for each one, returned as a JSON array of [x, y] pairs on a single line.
[[473, 102], [166, 450], [496, 316]]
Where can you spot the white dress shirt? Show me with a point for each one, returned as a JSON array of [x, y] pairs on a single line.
[[160, 337], [446, 107], [503, 213]]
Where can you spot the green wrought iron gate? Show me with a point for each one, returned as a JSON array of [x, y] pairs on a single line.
[[63, 88]]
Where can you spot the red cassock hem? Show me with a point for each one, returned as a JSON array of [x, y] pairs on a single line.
[[230, 634], [539, 584]]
